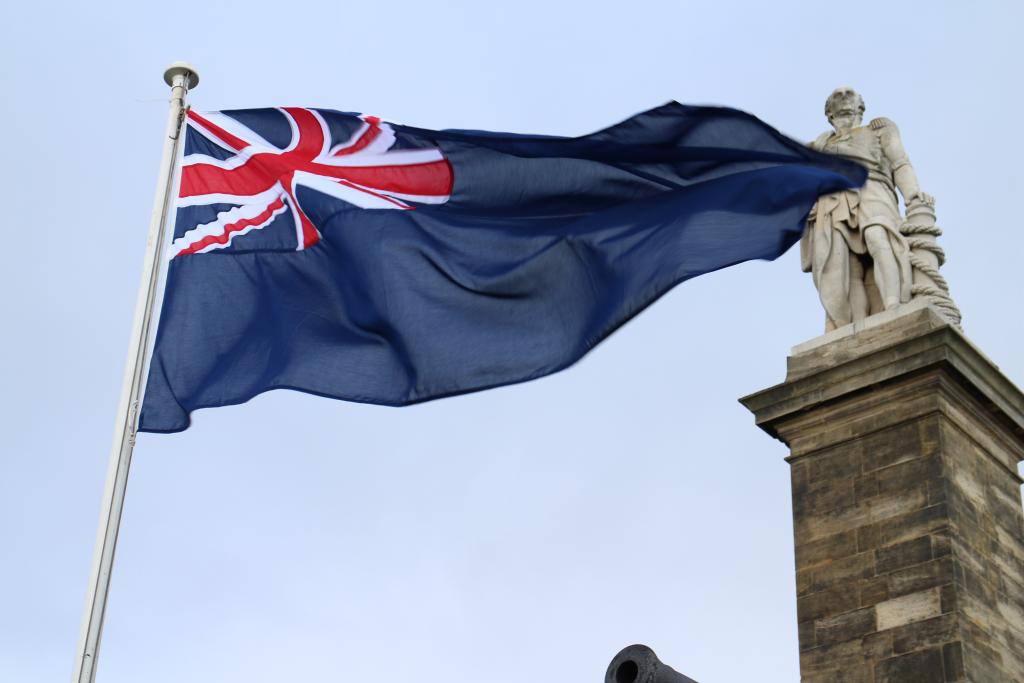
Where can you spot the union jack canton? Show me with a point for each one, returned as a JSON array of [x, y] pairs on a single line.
[[255, 163]]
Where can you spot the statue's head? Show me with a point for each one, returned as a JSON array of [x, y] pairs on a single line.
[[844, 108]]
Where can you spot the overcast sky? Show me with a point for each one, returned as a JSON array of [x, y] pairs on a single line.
[[526, 533]]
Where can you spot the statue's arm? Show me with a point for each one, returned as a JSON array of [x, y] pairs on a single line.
[[892, 146]]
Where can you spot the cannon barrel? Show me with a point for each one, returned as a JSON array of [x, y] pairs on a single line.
[[639, 664]]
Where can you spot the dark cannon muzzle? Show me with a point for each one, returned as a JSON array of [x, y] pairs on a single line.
[[639, 664]]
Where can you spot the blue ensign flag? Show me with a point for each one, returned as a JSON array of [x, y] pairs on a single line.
[[344, 256]]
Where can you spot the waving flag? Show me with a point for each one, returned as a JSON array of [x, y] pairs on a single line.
[[344, 256]]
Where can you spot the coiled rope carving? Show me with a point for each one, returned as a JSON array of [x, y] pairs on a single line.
[[925, 257]]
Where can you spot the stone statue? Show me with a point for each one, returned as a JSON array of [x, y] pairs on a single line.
[[864, 257]]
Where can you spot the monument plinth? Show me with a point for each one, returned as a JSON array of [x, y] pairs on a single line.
[[904, 448]]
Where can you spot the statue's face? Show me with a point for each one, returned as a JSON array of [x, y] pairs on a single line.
[[844, 107]]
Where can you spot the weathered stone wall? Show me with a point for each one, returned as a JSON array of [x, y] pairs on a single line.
[[873, 557], [908, 526], [988, 545]]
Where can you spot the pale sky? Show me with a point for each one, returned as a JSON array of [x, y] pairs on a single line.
[[525, 533]]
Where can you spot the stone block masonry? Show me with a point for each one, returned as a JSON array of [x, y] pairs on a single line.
[[909, 534]]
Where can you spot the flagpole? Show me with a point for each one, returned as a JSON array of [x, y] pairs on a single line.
[[180, 77]]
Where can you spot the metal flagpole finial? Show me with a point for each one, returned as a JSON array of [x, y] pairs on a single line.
[[182, 69]]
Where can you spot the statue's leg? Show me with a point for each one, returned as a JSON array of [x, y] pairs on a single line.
[[874, 297], [887, 271], [859, 306], [834, 284]]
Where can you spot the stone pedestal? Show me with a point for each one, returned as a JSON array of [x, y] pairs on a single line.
[[904, 446]]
